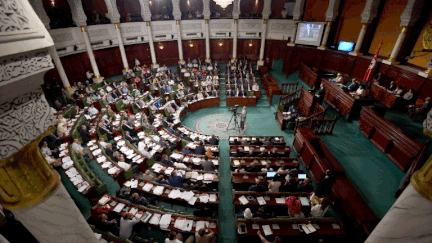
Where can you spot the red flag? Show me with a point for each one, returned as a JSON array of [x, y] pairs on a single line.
[[372, 65]]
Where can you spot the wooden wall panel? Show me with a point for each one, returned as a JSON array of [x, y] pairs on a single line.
[[315, 10], [221, 50], [251, 52], [167, 52], [140, 52], [334, 61], [109, 61], [76, 66], [359, 68], [424, 58], [194, 49]]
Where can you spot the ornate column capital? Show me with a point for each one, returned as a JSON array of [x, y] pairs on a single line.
[[332, 10], [236, 9], [266, 9], [422, 180], [298, 9], [113, 13], [206, 9], [27, 178], [78, 14], [145, 10], [176, 9], [370, 11], [412, 12]]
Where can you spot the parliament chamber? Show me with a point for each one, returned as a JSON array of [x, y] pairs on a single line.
[[215, 121]]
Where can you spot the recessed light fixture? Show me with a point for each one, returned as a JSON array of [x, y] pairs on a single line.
[[250, 44], [191, 44], [161, 47], [220, 43]]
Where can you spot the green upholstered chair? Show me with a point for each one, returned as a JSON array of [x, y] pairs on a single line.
[[250, 93], [120, 105]]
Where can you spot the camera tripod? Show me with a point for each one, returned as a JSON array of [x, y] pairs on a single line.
[[234, 118]]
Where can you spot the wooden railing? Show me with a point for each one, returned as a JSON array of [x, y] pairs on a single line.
[[290, 98], [289, 87], [318, 124]]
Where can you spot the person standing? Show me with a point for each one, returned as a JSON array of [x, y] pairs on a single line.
[[243, 118], [126, 224]]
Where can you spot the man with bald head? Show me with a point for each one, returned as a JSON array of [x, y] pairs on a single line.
[[305, 186]]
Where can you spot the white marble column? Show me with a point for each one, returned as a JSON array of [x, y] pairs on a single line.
[[408, 220], [56, 216], [263, 37], [66, 85], [234, 55], [179, 42], [326, 35], [152, 49], [397, 46], [121, 47], [360, 39], [292, 42], [207, 41], [98, 78]]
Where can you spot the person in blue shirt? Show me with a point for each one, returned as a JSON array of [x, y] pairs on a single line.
[[175, 180], [161, 180]]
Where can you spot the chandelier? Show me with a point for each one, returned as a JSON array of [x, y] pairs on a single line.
[[223, 3]]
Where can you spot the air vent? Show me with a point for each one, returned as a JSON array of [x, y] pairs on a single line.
[[97, 43], [224, 34], [62, 49], [133, 38], [251, 33], [191, 34], [160, 36]]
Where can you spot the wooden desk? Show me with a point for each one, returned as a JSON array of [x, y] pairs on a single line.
[[167, 188], [382, 95], [286, 228], [187, 160], [205, 103], [270, 85], [271, 196], [263, 161], [280, 149], [241, 101], [239, 178], [141, 209], [257, 140], [315, 154], [401, 148], [186, 170], [343, 102], [309, 76]]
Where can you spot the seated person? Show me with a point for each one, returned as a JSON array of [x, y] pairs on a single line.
[[205, 235], [294, 207], [392, 86], [258, 187], [408, 95], [398, 91], [354, 85], [262, 212], [203, 211], [165, 160], [305, 186], [105, 225], [162, 180], [320, 209], [174, 237], [360, 91], [175, 180], [246, 214], [263, 240], [339, 79], [84, 134]]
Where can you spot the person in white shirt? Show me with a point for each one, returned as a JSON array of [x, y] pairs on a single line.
[[76, 146], [142, 149], [339, 79], [93, 110], [102, 142], [284, 13], [255, 87], [126, 224], [61, 130], [137, 62], [360, 91], [89, 89], [200, 96], [124, 165], [174, 237], [320, 209], [89, 75], [275, 184], [46, 150]]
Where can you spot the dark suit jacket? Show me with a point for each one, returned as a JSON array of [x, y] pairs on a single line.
[[200, 150], [214, 141], [85, 136]]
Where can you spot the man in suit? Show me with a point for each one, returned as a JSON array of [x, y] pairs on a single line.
[[392, 86], [126, 127], [175, 180], [109, 150], [130, 138], [207, 165], [305, 186], [229, 93], [213, 140], [85, 135], [200, 150], [165, 160], [105, 131]]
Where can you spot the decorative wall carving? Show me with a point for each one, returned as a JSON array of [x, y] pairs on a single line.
[[251, 26], [16, 66], [412, 12], [98, 33], [226, 26], [191, 26], [370, 11], [60, 38], [131, 29], [279, 26], [161, 27], [13, 17], [22, 120]]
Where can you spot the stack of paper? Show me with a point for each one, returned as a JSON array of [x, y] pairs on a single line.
[[280, 200], [213, 198], [147, 187], [119, 207], [175, 194], [261, 201], [187, 195], [155, 219], [243, 200], [179, 223], [308, 228], [165, 221], [192, 200], [267, 230], [204, 198], [104, 200], [187, 225], [158, 190], [201, 224]]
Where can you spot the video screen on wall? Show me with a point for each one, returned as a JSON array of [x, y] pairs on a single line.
[[310, 33]]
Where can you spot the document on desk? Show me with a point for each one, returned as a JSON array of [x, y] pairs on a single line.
[[311, 228], [243, 200], [204, 198], [255, 226], [187, 226], [246, 148], [336, 226], [179, 223], [158, 190], [147, 187], [175, 194], [236, 162], [275, 226], [133, 211], [267, 230], [104, 200], [119, 207], [192, 200], [145, 218], [261, 201], [304, 201], [200, 225], [155, 219], [165, 221], [169, 171], [212, 198]]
